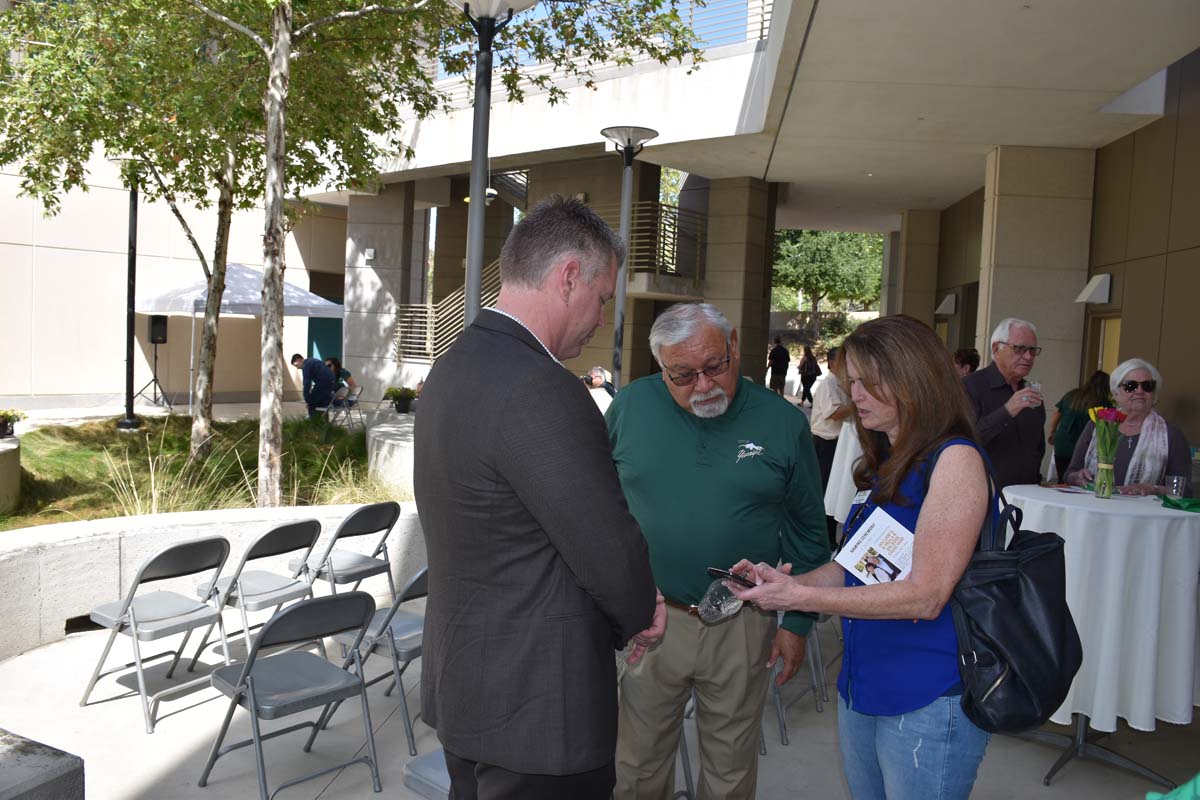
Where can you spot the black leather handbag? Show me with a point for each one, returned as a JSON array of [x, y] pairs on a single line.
[[1018, 649]]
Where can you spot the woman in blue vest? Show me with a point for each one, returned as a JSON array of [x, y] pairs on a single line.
[[902, 730]]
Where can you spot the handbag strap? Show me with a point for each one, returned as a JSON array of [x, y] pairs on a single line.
[[995, 526]]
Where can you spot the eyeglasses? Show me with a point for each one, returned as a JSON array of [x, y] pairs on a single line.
[[688, 378], [1022, 349], [1131, 386]]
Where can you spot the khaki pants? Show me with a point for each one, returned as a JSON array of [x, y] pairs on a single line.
[[726, 664]]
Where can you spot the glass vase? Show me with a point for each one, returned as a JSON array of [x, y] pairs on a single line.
[[1104, 482]]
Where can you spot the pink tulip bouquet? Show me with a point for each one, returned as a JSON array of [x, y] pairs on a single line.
[[1108, 435]]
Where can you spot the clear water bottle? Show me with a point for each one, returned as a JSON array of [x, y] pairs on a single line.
[[718, 603]]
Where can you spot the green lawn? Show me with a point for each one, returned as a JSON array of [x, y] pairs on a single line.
[[92, 471]]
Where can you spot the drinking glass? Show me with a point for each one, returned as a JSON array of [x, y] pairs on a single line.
[[1176, 486], [718, 603]]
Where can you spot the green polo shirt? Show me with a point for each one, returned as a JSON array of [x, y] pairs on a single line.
[[708, 492]]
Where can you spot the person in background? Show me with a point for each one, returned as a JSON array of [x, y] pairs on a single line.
[[1150, 448], [318, 382], [1070, 416], [594, 380], [902, 730], [809, 370], [341, 375], [778, 360], [1010, 418], [829, 409], [966, 360], [599, 379]]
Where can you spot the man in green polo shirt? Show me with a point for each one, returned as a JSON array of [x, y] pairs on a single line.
[[713, 466]]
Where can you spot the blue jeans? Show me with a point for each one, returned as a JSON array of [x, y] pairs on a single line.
[[932, 753]]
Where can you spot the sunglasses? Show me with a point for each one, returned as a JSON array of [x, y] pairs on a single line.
[[1131, 386]]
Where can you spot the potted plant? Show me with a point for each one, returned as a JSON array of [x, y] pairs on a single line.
[[401, 397], [8, 417]]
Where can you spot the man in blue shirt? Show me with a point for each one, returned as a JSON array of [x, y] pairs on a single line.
[[318, 382]]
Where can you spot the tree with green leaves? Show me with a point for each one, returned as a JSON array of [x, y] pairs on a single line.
[[294, 39], [829, 265]]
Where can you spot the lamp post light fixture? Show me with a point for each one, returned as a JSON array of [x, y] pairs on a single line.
[[487, 17], [629, 140]]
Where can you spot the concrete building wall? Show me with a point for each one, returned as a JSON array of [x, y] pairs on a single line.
[[450, 247], [918, 262], [1145, 232], [62, 307], [959, 242]]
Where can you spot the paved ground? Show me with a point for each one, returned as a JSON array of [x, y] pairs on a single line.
[[39, 694], [79, 414]]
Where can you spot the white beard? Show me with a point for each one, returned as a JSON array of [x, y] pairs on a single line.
[[709, 410]]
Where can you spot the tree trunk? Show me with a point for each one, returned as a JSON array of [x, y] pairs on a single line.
[[202, 417], [270, 411]]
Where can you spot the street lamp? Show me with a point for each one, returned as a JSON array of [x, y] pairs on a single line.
[[487, 17], [629, 140], [130, 422]]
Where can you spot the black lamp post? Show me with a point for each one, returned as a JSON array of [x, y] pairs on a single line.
[[629, 140], [130, 422], [488, 19]]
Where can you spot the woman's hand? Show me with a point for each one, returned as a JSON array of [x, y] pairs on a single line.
[[1139, 489], [775, 589], [1080, 477]]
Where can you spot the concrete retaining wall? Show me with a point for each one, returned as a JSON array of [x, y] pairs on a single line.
[[54, 573], [10, 473], [390, 452]]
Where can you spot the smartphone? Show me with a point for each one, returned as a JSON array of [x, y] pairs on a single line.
[[731, 576]]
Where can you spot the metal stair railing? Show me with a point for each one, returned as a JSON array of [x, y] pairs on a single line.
[[427, 330]]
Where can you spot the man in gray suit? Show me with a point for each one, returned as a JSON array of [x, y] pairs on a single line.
[[537, 571]]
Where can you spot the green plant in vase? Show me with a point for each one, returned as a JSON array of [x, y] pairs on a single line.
[[8, 418], [1108, 435]]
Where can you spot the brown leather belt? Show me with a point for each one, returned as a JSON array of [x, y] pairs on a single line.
[[684, 608]]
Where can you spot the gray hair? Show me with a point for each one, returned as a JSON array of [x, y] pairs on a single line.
[[556, 227], [1004, 329], [681, 321], [1128, 366]]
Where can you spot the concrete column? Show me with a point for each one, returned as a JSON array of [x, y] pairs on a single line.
[[376, 286], [1037, 217], [741, 222], [889, 291], [918, 258], [450, 248]]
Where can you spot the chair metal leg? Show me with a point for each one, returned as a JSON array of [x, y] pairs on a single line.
[[215, 753], [99, 667], [246, 626], [257, 734], [141, 679], [815, 678], [224, 639], [179, 653], [203, 643], [819, 662], [408, 726], [374, 759], [777, 694]]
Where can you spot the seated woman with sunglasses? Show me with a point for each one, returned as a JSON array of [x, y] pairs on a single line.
[[1150, 448]]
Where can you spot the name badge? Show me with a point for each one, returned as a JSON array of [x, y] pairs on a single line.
[[861, 497]]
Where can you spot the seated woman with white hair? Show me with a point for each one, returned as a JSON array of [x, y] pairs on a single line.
[[1150, 448]]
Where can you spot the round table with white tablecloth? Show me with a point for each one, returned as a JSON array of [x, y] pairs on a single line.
[[1132, 570]]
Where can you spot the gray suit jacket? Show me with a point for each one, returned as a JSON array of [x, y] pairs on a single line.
[[537, 571]]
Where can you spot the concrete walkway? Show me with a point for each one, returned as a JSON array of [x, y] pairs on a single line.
[[39, 693], [80, 414]]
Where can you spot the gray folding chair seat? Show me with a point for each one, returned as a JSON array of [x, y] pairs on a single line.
[[275, 686], [397, 634], [256, 590], [338, 567], [156, 615]]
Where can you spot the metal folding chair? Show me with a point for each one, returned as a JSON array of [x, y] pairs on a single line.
[[345, 409], [255, 590], [159, 614], [331, 407], [397, 633], [288, 683], [339, 567]]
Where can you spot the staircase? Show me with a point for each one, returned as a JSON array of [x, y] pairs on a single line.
[[425, 331]]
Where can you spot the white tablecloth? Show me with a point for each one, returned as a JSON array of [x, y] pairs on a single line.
[[1132, 570], [841, 489]]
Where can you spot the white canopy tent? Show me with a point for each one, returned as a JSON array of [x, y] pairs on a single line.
[[243, 297]]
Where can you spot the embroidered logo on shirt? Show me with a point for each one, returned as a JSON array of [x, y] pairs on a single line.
[[748, 450]]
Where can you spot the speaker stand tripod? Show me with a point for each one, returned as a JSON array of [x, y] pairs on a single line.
[[158, 395]]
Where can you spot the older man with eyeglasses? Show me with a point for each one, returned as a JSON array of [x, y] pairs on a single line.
[[1010, 416], [711, 465]]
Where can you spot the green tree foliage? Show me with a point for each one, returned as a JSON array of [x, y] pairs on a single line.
[[835, 266]]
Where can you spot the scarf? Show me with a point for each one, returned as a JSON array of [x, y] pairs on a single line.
[[1148, 464]]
